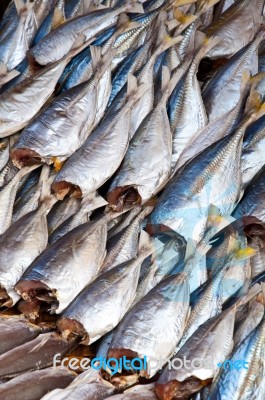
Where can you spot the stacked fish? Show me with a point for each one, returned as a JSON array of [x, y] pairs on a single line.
[[132, 140]]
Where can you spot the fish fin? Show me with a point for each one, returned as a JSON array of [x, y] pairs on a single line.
[[96, 55], [207, 45], [181, 3], [124, 24], [92, 202], [22, 7], [183, 19], [165, 77], [3, 69], [190, 249], [148, 245], [252, 292], [172, 24], [131, 84], [26, 170], [200, 38], [133, 6], [44, 183], [58, 16], [254, 101], [245, 253], [165, 41], [204, 5]]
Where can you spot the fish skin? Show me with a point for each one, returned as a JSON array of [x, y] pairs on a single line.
[[141, 176], [154, 325], [189, 114], [33, 199], [81, 216], [250, 322], [252, 203], [240, 384], [214, 340], [257, 261], [14, 331], [24, 100], [143, 392], [84, 245], [214, 131], [58, 42], [124, 246], [187, 196], [13, 46], [67, 113], [80, 68], [131, 64], [252, 154], [245, 12], [116, 225], [28, 237], [222, 92], [87, 386], [101, 144], [221, 7], [35, 384], [4, 152], [7, 198], [93, 322], [34, 355], [61, 211], [7, 173]]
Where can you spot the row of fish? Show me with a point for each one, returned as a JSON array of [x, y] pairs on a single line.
[[132, 185]]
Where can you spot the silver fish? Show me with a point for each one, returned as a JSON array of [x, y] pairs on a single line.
[[35, 384], [138, 179], [91, 315], [154, 326], [241, 383], [222, 92], [124, 246], [29, 237], [82, 215], [247, 12], [7, 198], [108, 141], [46, 279], [58, 42]]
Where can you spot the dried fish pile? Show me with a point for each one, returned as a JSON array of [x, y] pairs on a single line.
[[132, 189]]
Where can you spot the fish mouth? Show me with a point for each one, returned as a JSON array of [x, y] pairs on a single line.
[[25, 157], [124, 196], [70, 329], [175, 390], [62, 188], [39, 294]]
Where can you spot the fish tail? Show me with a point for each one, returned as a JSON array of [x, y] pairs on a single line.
[[26, 170], [135, 91], [58, 14], [148, 246], [183, 19], [22, 7], [133, 6], [207, 45], [93, 202], [204, 5]]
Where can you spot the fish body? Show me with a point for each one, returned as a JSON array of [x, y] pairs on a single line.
[[155, 324], [59, 42], [34, 385]]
